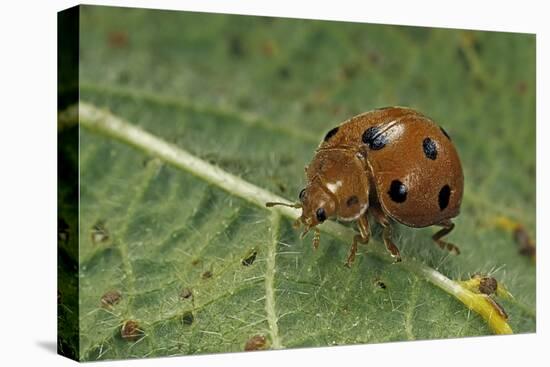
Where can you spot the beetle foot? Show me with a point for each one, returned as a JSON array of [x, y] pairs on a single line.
[[316, 238]]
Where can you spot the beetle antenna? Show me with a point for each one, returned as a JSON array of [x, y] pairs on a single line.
[[295, 205]]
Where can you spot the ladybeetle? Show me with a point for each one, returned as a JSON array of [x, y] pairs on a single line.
[[394, 163]]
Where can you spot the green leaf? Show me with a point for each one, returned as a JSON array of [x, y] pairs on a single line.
[[172, 241]]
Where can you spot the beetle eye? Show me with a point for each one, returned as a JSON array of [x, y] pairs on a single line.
[[302, 194], [321, 215]]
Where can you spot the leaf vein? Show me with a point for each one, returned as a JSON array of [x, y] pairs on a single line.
[[270, 280]]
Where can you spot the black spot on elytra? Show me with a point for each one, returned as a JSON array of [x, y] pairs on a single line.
[[331, 133], [352, 200], [445, 133], [444, 196], [430, 148], [375, 139], [398, 191]]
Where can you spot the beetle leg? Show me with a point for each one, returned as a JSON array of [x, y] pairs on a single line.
[[385, 223], [392, 248], [363, 237], [316, 238], [447, 227]]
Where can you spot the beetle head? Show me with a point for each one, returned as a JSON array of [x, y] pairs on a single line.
[[317, 205]]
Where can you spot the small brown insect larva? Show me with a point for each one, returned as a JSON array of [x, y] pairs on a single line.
[[207, 274], [195, 262], [522, 238], [380, 284], [250, 258], [99, 233], [488, 285], [526, 245], [187, 318], [131, 331], [111, 298], [394, 163], [186, 293], [257, 342]]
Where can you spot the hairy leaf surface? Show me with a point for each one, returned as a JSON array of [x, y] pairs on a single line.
[[254, 96]]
